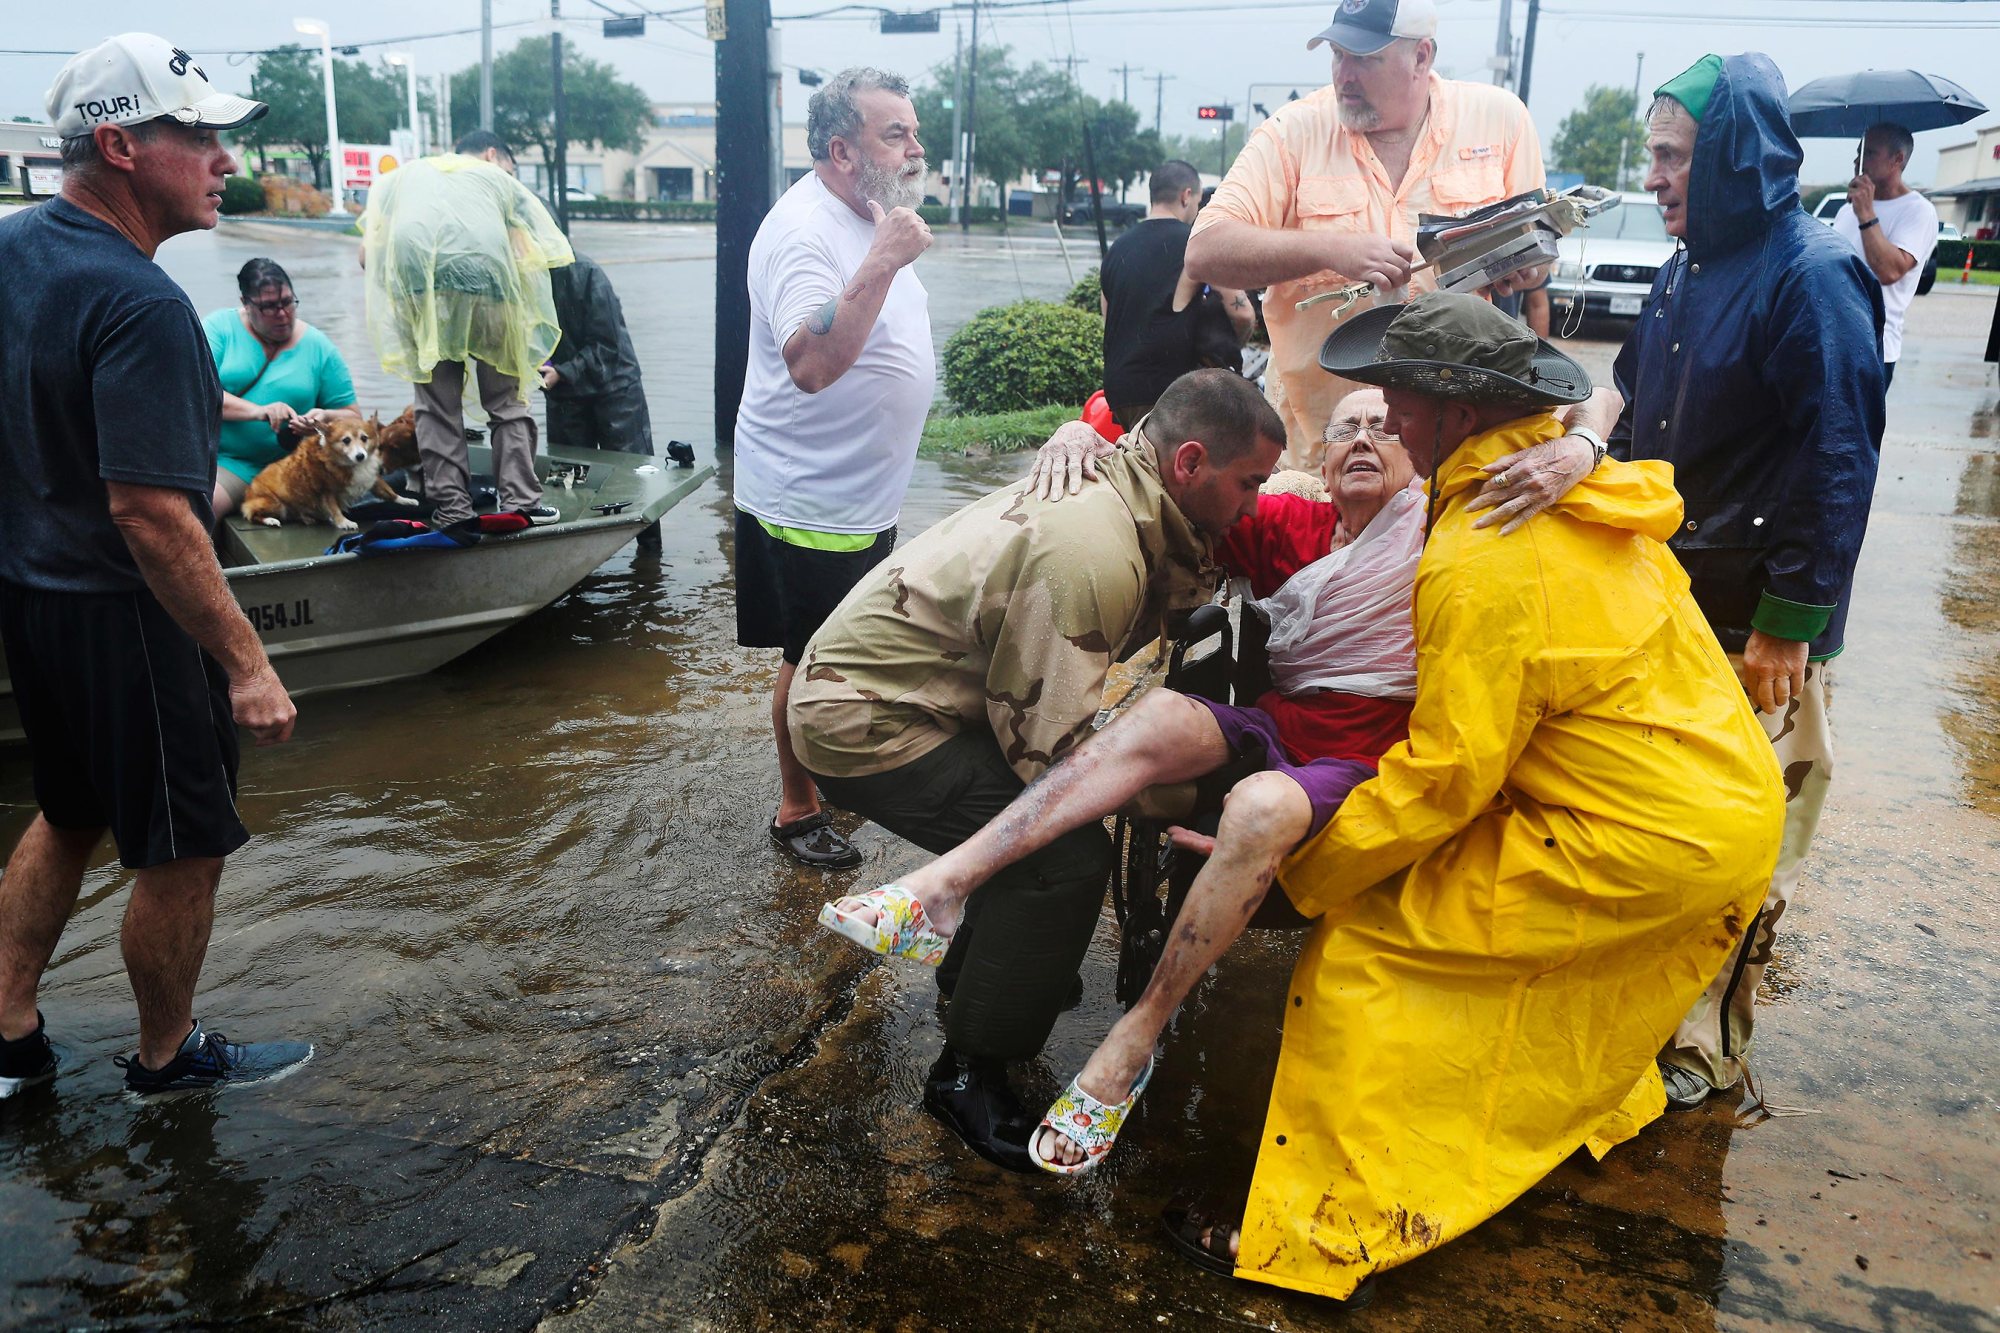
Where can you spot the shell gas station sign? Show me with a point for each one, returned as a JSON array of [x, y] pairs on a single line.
[[362, 163]]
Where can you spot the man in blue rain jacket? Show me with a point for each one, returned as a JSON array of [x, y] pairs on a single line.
[[1756, 370]]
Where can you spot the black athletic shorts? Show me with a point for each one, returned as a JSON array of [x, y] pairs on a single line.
[[784, 593], [128, 722]]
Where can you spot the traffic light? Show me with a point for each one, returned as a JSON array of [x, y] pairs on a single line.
[[1224, 112], [927, 21]]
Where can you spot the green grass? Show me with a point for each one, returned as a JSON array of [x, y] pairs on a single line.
[[992, 433], [1980, 277]]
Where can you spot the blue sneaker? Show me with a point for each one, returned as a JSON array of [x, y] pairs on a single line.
[[208, 1058], [28, 1062]]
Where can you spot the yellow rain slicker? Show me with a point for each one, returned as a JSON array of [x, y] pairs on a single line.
[[458, 255], [1518, 909]]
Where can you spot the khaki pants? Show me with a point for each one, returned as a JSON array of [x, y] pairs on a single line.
[[510, 430], [1714, 1039]]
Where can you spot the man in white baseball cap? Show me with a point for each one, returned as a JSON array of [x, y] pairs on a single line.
[[136, 77], [131, 664]]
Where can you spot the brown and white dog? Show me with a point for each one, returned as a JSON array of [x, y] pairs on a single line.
[[334, 465], [396, 445]]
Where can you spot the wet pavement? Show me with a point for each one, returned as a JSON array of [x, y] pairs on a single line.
[[586, 1061]]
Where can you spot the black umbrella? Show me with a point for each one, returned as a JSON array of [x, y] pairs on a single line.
[[1843, 106]]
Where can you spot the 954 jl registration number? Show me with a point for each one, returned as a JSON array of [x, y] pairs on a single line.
[[266, 616]]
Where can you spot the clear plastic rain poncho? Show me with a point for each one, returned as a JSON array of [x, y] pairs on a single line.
[[458, 255]]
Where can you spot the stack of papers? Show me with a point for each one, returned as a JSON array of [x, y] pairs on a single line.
[[1490, 243]]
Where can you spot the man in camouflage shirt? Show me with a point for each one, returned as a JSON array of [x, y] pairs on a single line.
[[964, 665]]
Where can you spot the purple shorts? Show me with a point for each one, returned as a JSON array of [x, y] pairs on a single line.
[[1254, 747]]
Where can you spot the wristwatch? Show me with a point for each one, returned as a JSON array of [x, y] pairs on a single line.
[[1871, 222], [1596, 442]]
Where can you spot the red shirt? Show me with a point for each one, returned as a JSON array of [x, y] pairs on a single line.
[[1287, 533]]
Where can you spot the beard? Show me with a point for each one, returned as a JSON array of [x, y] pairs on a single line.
[[1364, 119], [900, 188]]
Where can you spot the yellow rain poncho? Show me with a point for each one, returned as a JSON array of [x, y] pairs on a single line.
[[458, 254], [1522, 904]]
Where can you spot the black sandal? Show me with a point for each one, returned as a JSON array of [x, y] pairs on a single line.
[[1192, 1229], [813, 841]]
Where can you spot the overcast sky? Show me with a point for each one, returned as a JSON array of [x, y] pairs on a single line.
[[1211, 52]]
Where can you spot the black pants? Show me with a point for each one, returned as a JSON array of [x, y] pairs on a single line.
[[1025, 930], [615, 419]]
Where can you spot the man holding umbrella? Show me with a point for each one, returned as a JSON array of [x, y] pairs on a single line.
[[1893, 227]]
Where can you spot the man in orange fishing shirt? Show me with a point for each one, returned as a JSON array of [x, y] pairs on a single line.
[[1328, 190]]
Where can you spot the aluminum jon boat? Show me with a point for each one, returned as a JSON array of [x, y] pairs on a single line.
[[331, 622]]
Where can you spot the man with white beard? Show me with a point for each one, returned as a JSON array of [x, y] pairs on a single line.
[[841, 374]]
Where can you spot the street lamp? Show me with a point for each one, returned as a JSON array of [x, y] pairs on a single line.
[[409, 66], [317, 28]]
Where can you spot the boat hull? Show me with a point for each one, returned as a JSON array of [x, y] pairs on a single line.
[[334, 622]]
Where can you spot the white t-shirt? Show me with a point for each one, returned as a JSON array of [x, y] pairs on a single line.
[[1910, 224], [838, 460]]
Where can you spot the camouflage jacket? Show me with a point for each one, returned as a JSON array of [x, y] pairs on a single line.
[[1007, 615]]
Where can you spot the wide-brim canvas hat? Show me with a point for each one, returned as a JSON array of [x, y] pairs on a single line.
[[136, 77], [1451, 345]]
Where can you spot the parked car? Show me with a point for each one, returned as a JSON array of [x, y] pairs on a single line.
[[1946, 232], [1609, 266], [1115, 213]]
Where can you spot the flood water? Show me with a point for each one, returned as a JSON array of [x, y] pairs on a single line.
[[584, 1057]]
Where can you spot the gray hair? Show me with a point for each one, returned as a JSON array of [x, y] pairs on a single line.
[[1895, 138], [832, 114], [80, 153], [1666, 105]]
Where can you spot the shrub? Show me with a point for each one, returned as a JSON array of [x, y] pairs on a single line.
[[1084, 296], [285, 195], [642, 210], [240, 194], [1029, 354], [939, 215], [1951, 256]]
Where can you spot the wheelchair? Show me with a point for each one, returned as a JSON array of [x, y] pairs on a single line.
[[1151, 876]]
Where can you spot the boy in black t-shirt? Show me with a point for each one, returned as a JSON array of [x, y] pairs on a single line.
[[1153, 313]]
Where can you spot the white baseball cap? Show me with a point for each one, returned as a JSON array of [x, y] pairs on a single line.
[[136, 76], [1363, 27]]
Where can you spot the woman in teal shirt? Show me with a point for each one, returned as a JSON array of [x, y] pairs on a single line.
[[274, 366]]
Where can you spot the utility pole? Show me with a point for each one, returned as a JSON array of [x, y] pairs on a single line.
[[559, 162], [1125, 72], [971, 125], [1069, 64], [486, 64], [1159, 98], [1503, 45], [1637, 111], [441, 86], [957, 133], [741, 30], [1528, 51]]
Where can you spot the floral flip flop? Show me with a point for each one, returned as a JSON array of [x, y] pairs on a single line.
[[900, 928], [1086, 1122]]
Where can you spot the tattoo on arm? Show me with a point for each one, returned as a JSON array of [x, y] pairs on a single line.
[[820, 321]]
